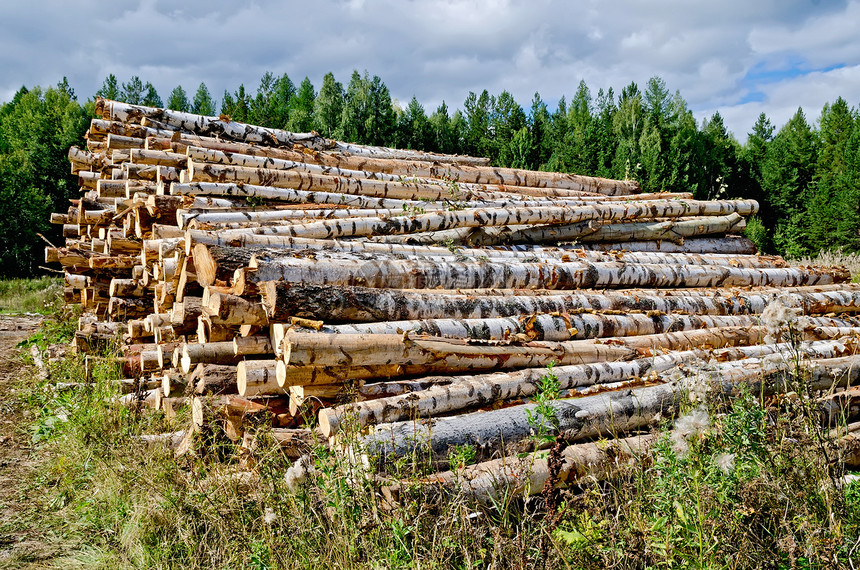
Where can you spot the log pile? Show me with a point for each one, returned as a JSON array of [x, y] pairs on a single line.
[[323, 287]]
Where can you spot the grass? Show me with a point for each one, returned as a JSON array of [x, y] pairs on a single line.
[[851, 261], [42, 295], [747, 484]]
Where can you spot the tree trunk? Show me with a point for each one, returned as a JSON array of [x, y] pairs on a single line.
[[266, 182], [248, 345], [521, 252], [361, 304], [250, 192], [258, 377], [415, 274], [495, 217], [209, 353], [212, 379], [589, 232], [499, 479], [483, 390], [438, 354], [158, 158], [213, 264], [227, 309], [609, 413]]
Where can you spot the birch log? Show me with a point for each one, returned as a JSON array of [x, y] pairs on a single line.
[[419, 274], [256, 377], [315, 349], [361, 304], [494, 480], [482, 390], [287, 195], [609, 413], [491, 217]]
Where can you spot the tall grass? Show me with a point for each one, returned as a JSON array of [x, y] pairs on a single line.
[[41, 295], [746, 484], [851, 261]]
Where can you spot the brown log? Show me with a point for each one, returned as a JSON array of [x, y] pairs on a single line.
[[209, 353], [256, 377], [250, 345], [213, 264], [499, 479], [227, 309], [212, 379], [414, 274]]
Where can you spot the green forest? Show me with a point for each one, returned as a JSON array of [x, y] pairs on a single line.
[[805, 175]]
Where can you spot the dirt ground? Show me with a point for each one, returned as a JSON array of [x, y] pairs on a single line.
[[22, 543]]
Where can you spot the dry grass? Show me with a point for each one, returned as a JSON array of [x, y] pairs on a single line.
[[850, 261], [42, 295], [753, 489]]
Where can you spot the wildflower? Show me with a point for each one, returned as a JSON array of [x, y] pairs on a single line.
[[778, 319], [688, 427], [726, 462], [300, 472], [269, 515]]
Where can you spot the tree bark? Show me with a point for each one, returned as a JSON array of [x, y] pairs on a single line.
[[158, 158], [250, 193], [258, 377], [438, 354], [498, 479], [209, 353], [226, 309], [509, 429], [214, 264], [490, 217], [418, 274], [212, 379], [523, 252], [361, 304], [248, 345]]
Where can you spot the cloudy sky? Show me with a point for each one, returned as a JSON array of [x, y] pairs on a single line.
[[740, 57]]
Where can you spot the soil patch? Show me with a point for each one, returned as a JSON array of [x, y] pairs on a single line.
[[22, 543]]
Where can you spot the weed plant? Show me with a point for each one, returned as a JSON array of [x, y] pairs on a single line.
[[43, 295], [738, 484]]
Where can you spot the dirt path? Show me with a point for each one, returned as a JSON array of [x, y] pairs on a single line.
[[22, 543]]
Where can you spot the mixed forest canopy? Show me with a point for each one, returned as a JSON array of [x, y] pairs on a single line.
[[805, 175]]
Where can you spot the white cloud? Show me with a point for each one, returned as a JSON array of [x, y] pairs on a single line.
[[715, 53]]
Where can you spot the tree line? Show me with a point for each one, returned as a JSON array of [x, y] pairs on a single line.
[[805, 175]]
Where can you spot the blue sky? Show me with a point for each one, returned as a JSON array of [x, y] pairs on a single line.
[[736, 57]]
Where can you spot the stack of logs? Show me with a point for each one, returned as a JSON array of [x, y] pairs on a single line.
[[418, 299]]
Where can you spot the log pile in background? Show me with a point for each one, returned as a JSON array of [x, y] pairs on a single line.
[[253, 272]]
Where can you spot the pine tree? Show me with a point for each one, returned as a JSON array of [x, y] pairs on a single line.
[[133, 91], [356, 110], [556, 138], [477, 115], [787, 177], [829, 220], [627, 126], [203, 103], [301, 110], [507, 121], [271, 105], [720, 160], [441, 134], [109, 88], [151, 97], [178, 100], [328, 107], [539, 126], [413, 128], [381, 120], [579, 142]]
